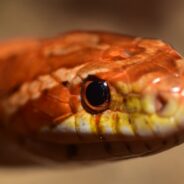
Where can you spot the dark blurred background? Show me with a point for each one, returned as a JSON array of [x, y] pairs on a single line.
[[150, 18]]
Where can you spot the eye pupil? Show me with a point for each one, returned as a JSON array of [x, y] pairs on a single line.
[[97, 93]]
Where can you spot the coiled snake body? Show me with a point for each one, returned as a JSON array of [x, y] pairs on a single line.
[[92, 96]]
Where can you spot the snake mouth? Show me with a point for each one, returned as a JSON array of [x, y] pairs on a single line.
[[141, 118]]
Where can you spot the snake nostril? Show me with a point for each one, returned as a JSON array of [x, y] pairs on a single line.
[[160, 103]]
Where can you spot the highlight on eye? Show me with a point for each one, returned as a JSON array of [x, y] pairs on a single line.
[[95, 95]]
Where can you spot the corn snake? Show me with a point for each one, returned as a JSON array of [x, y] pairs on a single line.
[[92, 95]]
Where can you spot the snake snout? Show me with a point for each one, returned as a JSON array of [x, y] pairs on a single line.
[[164, 95], [163, 104]]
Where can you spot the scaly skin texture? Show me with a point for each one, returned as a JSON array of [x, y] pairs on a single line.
[[41, 98]]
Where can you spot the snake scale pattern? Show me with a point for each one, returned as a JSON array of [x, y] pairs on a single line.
[[91, 96]]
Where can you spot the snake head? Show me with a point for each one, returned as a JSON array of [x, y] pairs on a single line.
[[133, 110], [101, 95]]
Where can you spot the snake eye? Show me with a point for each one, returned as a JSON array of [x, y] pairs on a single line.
[[95, 95]]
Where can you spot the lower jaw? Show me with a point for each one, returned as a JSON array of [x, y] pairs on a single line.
[[117, 150]]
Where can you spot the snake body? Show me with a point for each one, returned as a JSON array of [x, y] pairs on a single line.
[[43, 86]]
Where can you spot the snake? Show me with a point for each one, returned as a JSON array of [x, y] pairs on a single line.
[[91, 95]]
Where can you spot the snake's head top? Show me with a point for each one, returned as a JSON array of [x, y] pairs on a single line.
[[104, 89]]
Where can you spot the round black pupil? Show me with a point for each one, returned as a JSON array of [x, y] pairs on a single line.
[[97, 93]]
